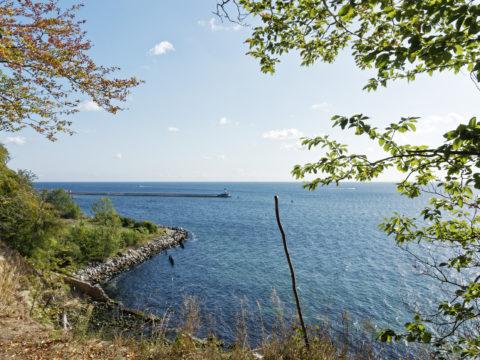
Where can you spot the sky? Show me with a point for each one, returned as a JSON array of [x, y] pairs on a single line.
[[207, 113]]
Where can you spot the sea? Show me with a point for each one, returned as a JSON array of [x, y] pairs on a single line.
[[234, 264]]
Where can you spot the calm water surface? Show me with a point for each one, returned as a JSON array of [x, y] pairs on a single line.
[[235, 258]]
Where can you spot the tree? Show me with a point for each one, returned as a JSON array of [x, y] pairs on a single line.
[[26, 221], [104, 213], [45, 70], [63, 203], [400, 39]]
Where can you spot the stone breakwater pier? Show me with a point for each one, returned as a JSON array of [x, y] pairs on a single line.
[[101, 272], [222, 195]]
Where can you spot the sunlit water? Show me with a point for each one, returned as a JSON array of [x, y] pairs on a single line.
[[235, 257]]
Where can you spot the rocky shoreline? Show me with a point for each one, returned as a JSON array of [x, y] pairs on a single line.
[[100, 272]]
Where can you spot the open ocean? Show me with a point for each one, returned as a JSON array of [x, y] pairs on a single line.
[[234, 258]]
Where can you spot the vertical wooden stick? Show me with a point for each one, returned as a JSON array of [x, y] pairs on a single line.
[[292, 273]]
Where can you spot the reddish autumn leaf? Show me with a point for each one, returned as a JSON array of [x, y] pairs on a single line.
[[45, 70]]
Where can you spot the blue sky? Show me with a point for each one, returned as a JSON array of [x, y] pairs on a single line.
[[207, 113]]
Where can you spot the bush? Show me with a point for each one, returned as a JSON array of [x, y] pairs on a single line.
[[94, 243], [131, 237], [26, 222], [62, 202], [150, 226], [105, 214], [127, 222]]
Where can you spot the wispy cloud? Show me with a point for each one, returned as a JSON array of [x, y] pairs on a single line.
[[161, 48], [212, 24], [88, 105], [173, 129], [221, 157], [297, 145], [442, 123], [283, 134], [431, 128], [17, 140], [323, 106], [223, 121], [118, 156]]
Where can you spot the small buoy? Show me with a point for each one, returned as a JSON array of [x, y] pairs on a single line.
[[170, 258]]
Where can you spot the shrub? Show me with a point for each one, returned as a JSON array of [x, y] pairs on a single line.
[[130, 237], [127, 222], [151, 227], [105, 214], [142, 230], [95, 243], [62, 202]]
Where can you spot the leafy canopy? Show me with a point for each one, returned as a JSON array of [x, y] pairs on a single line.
[[45, 70], [399, 39], [63, 203], [26, 222]]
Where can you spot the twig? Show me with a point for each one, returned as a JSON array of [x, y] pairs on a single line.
[[292, 273]]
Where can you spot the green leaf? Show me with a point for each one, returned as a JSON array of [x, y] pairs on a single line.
[[344, 10]]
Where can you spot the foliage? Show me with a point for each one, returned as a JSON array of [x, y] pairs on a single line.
[[127, 221], [130, 238], [400, 40], [45, 70], [62, 202], [31, 223], [27, 223], [94, 243], [104, 213], [150, 226]]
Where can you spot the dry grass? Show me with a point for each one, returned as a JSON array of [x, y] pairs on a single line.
[[9, 284], [13, 272]]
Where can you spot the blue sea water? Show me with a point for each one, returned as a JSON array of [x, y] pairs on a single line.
[[234, 258]]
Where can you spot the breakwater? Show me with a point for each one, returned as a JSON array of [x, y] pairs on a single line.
[[100, 272], [222, 195]]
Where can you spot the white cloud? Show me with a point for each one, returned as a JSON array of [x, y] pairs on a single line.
[[206, 157], [435, 123], [430, 129], [223, 121], [221, 157], [214, 27], [323, 106], [118, 156], [88, 105], [292, 145], [17, 140], [283, 134], [161, 48], [173, 129]]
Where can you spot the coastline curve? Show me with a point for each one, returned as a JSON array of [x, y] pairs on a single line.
[[101, 272]]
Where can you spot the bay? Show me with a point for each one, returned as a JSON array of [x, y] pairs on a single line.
[[234, 259]]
